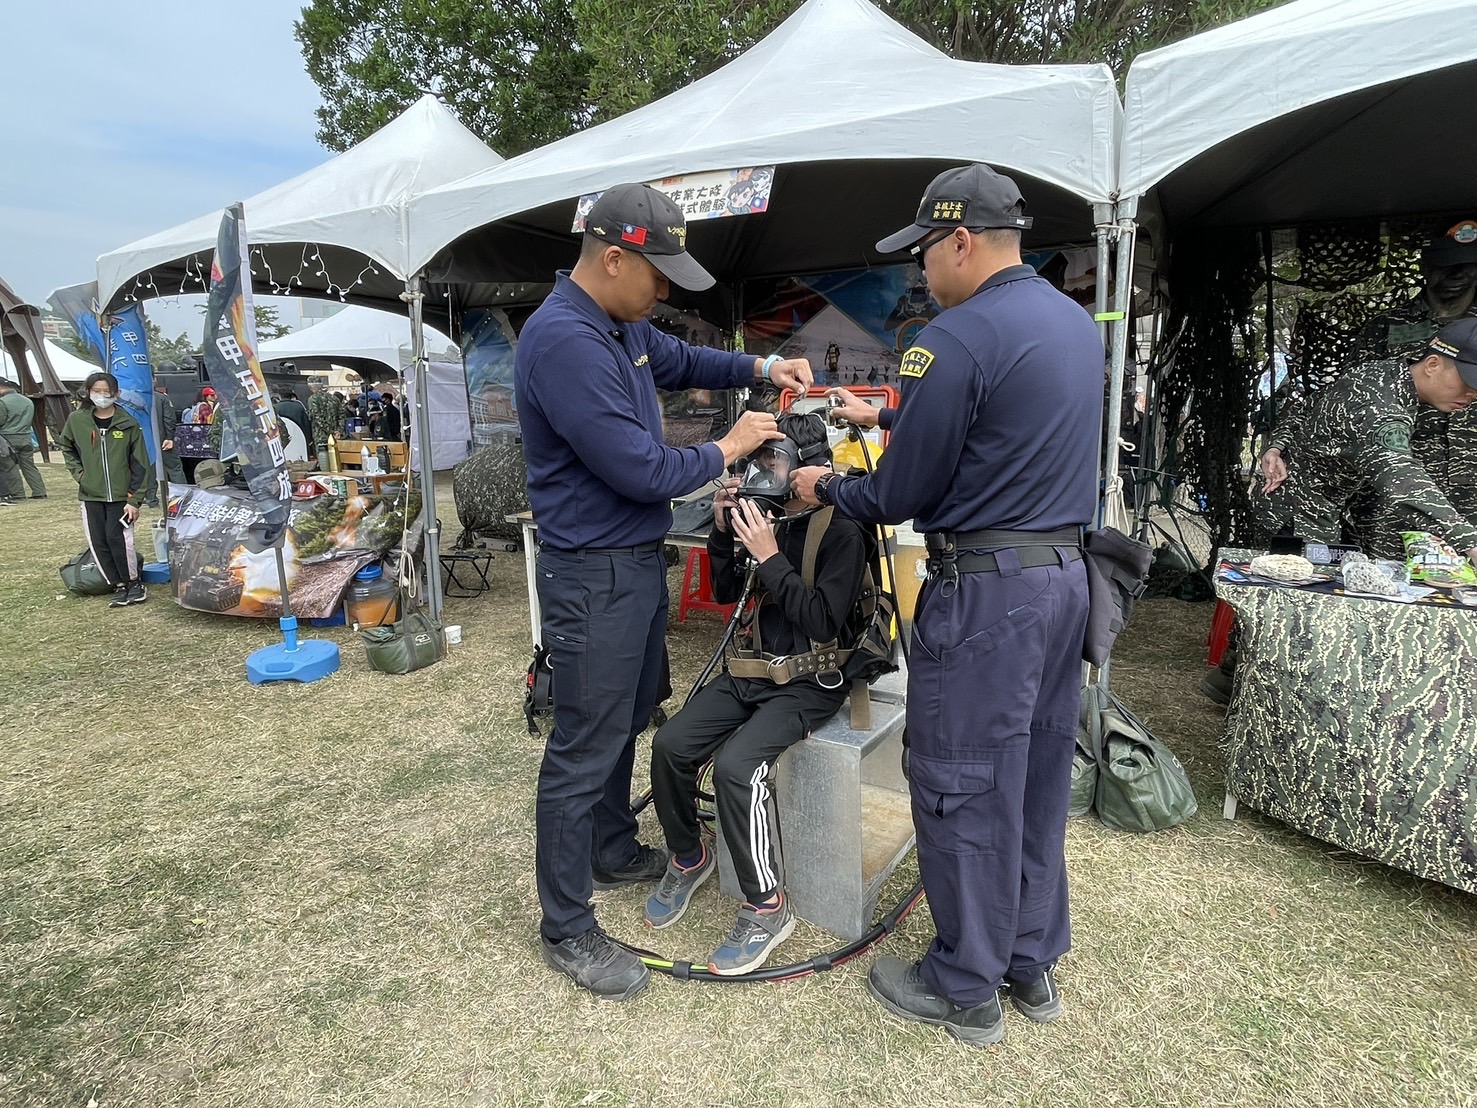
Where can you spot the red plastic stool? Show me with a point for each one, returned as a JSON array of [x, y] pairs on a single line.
[[696, 595], [1220, 632]]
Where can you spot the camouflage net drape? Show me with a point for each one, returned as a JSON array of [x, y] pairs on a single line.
[[1328, 281]]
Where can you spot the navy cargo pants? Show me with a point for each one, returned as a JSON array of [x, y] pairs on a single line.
[[994, 687], [604, 625]]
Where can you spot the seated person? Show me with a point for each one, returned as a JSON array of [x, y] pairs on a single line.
[[744, 723]]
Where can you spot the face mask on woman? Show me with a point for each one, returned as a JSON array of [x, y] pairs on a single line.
[[101, 400]]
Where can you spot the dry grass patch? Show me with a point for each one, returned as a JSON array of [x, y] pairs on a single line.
[[219, 895]]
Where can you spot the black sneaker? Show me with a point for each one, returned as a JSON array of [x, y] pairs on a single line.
[[902, 992], [1037, 1000], [137, 593], [648, 865], [595, 962], [120, 597]]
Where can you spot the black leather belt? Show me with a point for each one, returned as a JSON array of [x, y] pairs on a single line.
[[644, 548], [951, 553], [1028, 557]]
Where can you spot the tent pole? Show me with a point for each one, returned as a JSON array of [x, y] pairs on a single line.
[[1118, 350], [1117, 355], [431, 525], [1103, 218]]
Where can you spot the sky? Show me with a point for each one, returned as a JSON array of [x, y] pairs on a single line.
[[123, 120]]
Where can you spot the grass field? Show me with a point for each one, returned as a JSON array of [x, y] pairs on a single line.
[[219, 895]]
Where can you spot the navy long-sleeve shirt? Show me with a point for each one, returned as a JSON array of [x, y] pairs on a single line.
[[599, 474], [999, 419]]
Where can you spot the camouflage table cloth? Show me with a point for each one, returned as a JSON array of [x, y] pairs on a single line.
[[1355, 721]]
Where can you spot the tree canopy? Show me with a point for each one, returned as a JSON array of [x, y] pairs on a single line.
[[521, 73]]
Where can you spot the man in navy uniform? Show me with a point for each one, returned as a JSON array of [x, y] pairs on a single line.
[[600, 483], [994, 456]]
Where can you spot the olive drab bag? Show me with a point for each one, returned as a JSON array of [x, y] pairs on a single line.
[[82, 576], [412, 642], [1140, 784]]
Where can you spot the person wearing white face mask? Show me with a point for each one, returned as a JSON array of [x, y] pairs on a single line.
[[104, 450]]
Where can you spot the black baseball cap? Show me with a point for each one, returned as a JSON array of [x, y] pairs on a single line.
[[639, 218], [972, 196], [1457, 245], [1458, 341]]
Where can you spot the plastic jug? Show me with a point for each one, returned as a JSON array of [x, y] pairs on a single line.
[[373, 599]]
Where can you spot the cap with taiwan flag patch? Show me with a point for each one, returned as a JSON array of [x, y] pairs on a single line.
[[639, 218]]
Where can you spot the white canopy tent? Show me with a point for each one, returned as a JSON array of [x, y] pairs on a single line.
[[70, 369], [1313, 110], [323, 232], [340, 229], [376, 344], [354, 336], [855, 111], [1316, 110]]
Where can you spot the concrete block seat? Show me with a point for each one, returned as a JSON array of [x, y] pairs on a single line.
[[844, 815]]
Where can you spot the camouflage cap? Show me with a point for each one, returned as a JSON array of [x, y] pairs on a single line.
[[1458, 341]]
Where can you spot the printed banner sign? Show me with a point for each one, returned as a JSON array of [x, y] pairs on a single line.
[[214, 566], [128, 361], [712, 195], [250, 432]]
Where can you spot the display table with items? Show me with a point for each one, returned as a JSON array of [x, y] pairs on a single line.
[[1354, 718]]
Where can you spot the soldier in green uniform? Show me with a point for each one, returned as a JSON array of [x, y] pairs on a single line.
[[326, 414], [1354, 441], [1445, 444]]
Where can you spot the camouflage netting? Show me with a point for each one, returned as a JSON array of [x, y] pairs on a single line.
[[1327, 280]]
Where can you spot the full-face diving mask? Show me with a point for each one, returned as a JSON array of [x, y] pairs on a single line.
[[768, 471]]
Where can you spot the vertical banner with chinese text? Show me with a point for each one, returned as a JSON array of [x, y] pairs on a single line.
[[128, 361], [241, 391]]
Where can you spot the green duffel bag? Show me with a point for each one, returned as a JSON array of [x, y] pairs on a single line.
[[1084, 764], [1141, 785], [409, 643], [82, 576]]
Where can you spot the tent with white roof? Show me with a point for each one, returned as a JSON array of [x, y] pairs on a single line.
[[856, 112], [358, 338], [339, 228]]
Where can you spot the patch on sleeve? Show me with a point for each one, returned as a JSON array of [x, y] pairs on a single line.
[[1393, 436], [915, 362]]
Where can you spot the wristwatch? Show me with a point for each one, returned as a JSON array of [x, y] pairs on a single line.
[[823, 487]]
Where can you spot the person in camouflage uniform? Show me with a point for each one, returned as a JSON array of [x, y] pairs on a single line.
[[1445, 444], [326, 413], [1354, 441]]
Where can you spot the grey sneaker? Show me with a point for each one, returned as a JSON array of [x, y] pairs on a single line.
[[596, 962], [668, 904], [137, 593], [754, 936], [120, 597], [1037, 1000], [648, 865], [902, 992]]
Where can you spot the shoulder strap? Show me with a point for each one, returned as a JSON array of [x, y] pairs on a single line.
[[813, 536]]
